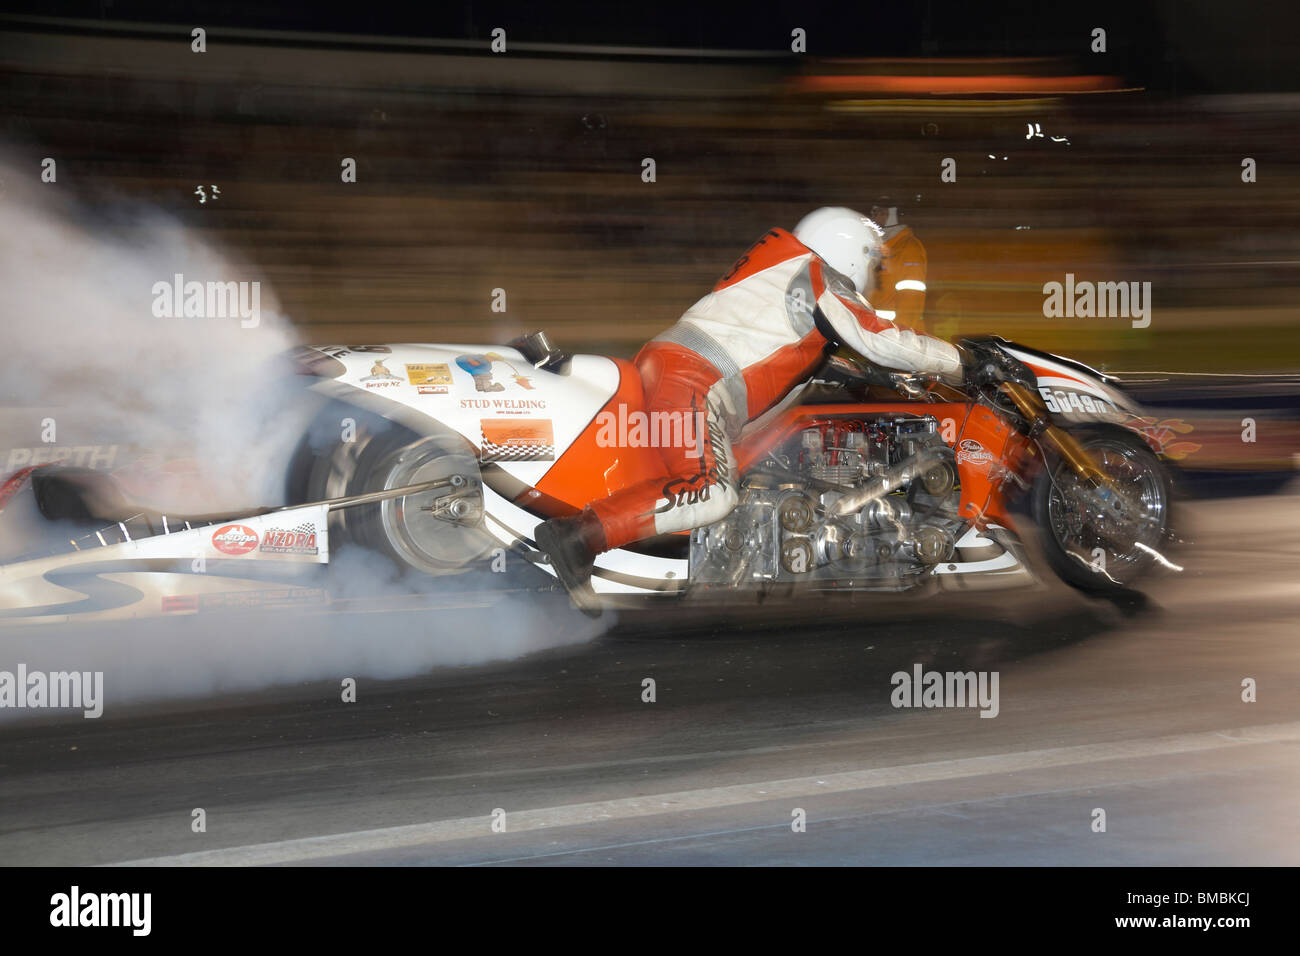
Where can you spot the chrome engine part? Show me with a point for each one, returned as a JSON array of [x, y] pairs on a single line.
[[866, 503]]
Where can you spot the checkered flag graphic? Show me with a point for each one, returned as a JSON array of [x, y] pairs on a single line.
[[493, 451]]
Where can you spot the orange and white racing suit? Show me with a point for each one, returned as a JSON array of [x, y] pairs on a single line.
[[764, 329]]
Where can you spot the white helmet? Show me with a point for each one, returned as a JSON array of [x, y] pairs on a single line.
[[848, 241]]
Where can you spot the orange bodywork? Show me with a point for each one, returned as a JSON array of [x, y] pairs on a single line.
[[984, 443], [587, 470]]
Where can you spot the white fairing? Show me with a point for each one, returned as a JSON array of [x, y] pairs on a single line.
[[428, 380], [523, 418], [1075, 395]]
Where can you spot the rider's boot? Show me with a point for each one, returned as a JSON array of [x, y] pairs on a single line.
[[572, 545]]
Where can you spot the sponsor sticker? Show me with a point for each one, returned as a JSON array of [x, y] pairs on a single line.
[[299, 540], [480, 369], [429, 378], [380, 376], [968, 449], [517, 439], [504, 406], [234, 539]]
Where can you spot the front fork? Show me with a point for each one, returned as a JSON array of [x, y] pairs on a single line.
[[1041, 427], [1109, 497]]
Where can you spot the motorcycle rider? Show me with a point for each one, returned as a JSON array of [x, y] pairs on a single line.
[[763, 330]]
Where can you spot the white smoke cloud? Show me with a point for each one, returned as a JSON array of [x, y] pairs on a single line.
[[81, 345], [220, 653]]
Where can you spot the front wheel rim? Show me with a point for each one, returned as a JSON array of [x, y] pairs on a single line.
[[1086, 525]]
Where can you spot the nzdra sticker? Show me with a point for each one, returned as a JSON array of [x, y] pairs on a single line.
[[234, 539], [299, 540]]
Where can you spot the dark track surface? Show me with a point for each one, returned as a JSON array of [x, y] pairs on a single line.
[[1152, 690]]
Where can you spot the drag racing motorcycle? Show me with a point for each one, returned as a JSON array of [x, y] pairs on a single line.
[[445, 458], [862, 480]]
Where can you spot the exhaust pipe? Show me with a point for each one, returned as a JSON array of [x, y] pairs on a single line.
[[889, 480]]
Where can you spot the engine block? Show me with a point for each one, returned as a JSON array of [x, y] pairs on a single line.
[[785, 528]]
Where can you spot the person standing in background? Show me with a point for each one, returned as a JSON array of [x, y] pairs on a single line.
[[899, 292]]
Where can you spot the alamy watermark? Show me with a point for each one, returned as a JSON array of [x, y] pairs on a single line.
[[128, 910], [946, 689], [208, 300], [1098, 300], [640, 429], [83, 690]]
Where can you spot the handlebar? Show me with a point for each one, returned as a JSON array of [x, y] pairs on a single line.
[[911, 384], [987, 363]]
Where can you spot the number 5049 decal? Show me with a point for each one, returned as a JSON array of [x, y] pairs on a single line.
[[1063, 402]]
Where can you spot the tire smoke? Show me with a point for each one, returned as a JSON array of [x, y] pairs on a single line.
[[193, 414]]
